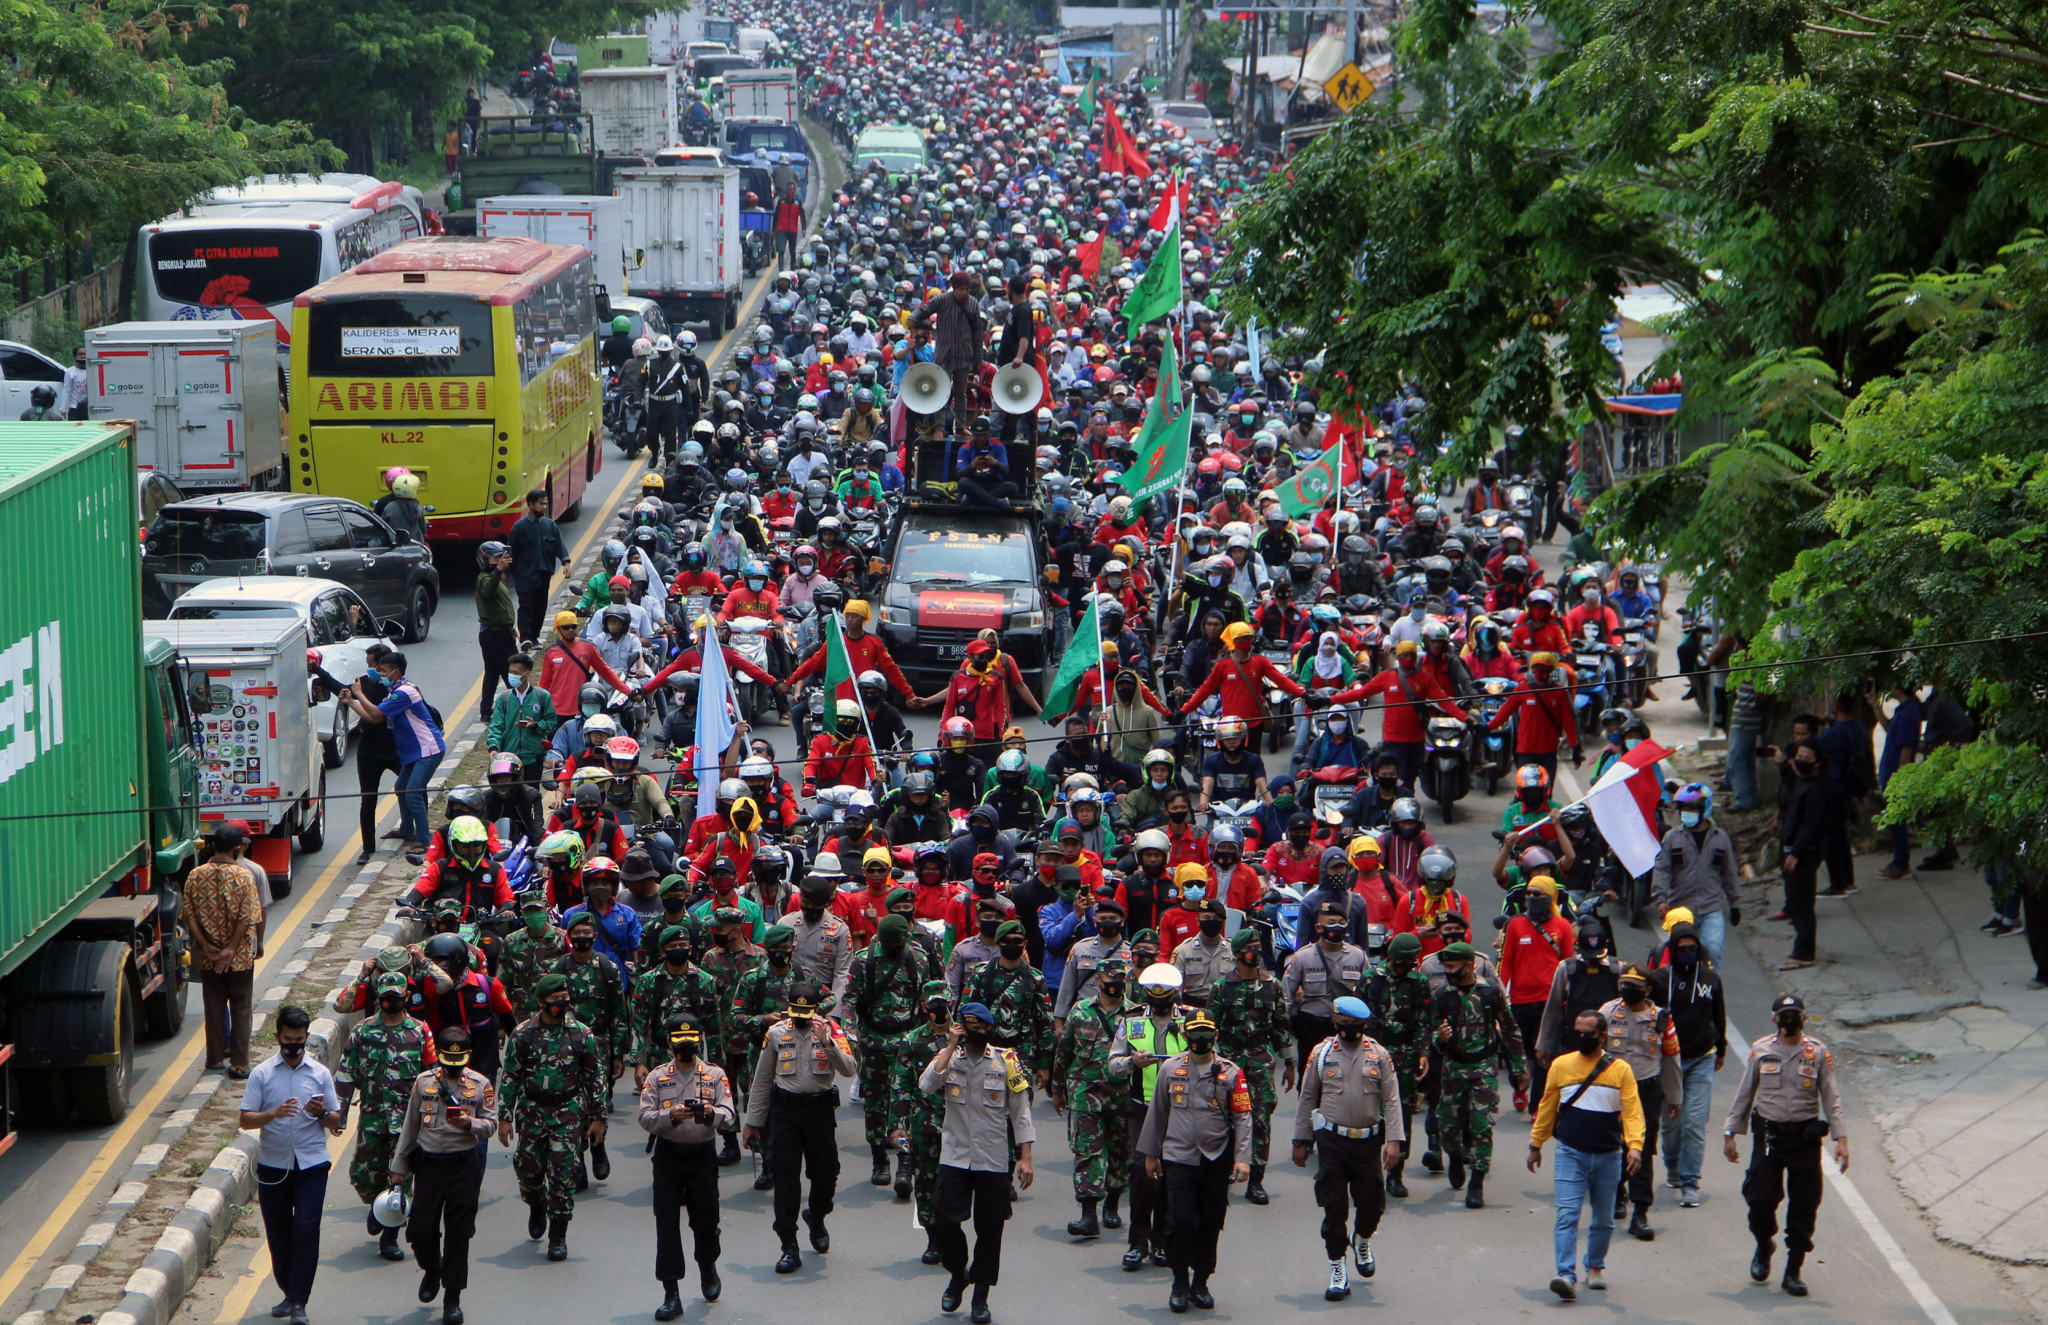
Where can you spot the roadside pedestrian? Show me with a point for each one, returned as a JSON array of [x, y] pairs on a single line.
[[684, 1103], [1901, 747], [792, 1101], [1802, 842], [290, 1100], [224, 918], [1599, 1120], [74, 395], [376, 747], [1641, 1034], [1351, 1114], [452, 1110], [497, 610], [1697, 869], [1851, 775], [1788, 1101], [987, 1094], [385, 1054], [537, 551], [416, 731], [1197, 1141], [1691, 988]]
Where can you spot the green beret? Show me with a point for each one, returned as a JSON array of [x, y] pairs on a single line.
[[893, 927], [675, 883], [674, 932], [1404, 945], [1244, 938], [777, 934], [1459, 952], [1144, 936], [899, 895], [391, 982], [551, 984], [1007, 928], [936, 989]]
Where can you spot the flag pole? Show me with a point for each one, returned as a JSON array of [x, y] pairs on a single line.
[[876, 755]]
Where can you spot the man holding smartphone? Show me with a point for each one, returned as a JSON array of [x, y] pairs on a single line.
[[290, 1099], [683, 1105], [452, 1112]]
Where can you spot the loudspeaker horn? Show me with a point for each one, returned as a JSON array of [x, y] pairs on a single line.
[[926, 388], [1018, 389]]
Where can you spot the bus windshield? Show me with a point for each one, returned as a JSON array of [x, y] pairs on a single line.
[[411, 335], [234, 267]]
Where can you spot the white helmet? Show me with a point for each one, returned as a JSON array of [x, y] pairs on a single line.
[[1153, 839], [664, 345], [643, 348], [688, 340], [1159, 976]]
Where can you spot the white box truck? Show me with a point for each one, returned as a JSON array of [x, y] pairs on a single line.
[[762, 94], [259, 755], [596, 223], [632, 111], [683, 227], [670, 33], [203, 395]]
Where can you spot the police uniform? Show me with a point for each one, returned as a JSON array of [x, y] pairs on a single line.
[[686, 1162], [1199, 1126], [793, 1097], [987, 1101], [1350, 1107], [824, 951], [1643, 1038], [449, 1171], [1314, 979], [1160, 1037], [1788, 1101]]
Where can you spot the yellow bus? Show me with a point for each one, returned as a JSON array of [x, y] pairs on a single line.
[[471, 362]]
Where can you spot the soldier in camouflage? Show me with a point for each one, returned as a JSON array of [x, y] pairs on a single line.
[[1094, 1103], [915, 1117], [675, 910], [758, 1002], [597, 993], [1252, 1031], [554, 1096], [674, 985], [378, 1065], [883, 989], [1404, 1021], [529, 952], [1474, 1029], [730, 955], [1015, 992], [903, 902]]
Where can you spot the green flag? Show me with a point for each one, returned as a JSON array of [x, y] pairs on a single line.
[[839, 676], [1083, 652], [1162, 455], [1088, 95], [1158, 290], [1312, 485]]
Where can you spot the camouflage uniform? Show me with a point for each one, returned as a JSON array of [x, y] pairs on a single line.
[[524, 959], [380, 1062], [759, 1000], [555, 1085], [1481, 1031], [1022, 1007], [882, 997], [659, 994], [917, 1115], [651, 930], [728, 967], [1252, 1031], [1404, 1021], [1094, 1102], [597, 996]]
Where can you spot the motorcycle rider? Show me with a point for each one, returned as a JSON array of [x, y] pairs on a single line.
[[468, 874], [1539, 630], [1548, 718], [671, 394]]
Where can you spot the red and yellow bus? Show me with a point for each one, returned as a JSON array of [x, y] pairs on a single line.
[[471, 362]]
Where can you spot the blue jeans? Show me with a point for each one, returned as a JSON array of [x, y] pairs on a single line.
[[1713, 928], [1742, 766], [1584, 1178], [412, 796], [1685, 1137]]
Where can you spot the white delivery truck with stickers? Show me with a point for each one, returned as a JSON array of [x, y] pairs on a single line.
[[259, 753]]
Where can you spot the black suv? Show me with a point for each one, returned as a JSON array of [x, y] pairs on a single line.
[[279, 533], [954, 571]]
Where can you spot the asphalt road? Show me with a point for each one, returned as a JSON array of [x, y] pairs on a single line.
[[55, 1179], [1436, 1258]]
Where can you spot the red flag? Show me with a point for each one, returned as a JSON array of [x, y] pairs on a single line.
[[1162, 213], [879, 25], [1090, 255], [959, 28], [1134, 162], [1112, 132]]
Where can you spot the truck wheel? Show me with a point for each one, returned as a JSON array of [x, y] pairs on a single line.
[[313, 831], [163, 1013], [419, 619], [100, 1094]]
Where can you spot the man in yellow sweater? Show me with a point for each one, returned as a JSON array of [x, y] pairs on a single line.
[[1591, 1106]]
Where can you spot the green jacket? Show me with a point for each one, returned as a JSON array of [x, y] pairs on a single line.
[[526, 744], [495, 605]]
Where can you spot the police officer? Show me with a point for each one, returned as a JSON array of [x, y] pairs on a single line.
[[1351, 1113], [1141, 1044], [1640, 1034], [987, 1095], [1197, 1140], [792, 1098], [1318, 975], [1788, 1100], [683, 1105], [451, 1110]]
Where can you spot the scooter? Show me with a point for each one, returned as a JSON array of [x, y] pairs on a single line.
[[1446, 776], [750, 641], [1591, 659], [1496, 748]]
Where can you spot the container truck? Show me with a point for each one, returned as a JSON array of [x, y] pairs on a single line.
[[765, 95], [669, 34], [593, 222], [632, 111], [683, 232], [203, 397], [99, 785]]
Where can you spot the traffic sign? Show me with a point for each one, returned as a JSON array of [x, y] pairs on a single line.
[[1348, 86]]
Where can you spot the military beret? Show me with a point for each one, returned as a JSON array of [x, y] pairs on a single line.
[[1460, 952], [674, 933], [1404, 945], [1007, 928], [1244, 938], [899, 895], [777, 934], [551, 984], [893, 927]]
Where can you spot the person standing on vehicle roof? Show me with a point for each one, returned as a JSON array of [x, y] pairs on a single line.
[[958, 331]]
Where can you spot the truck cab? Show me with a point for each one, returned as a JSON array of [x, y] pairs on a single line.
[[955, 571]]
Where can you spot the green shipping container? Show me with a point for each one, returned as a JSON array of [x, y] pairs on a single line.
[[72, 779], [616, 51]]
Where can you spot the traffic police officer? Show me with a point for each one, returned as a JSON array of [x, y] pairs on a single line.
[[1197, 1140], [793, 1097], [1351, 1112], [452, 1109], [1789, 1101], [1141, 1044], [684, 1103], [987, 1095]]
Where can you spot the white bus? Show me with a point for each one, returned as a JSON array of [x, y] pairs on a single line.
[[243, 254]]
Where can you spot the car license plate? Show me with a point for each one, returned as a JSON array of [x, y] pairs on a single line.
[[952, 650]]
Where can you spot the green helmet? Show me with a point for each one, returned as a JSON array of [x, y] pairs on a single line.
[[561, 847], [467, 831], [622, 323]]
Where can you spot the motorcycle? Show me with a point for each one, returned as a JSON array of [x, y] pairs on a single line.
[[623, 414], [1496, 758], [1446, 776], [1591, 659], [1635, 664], [1278, 733], [1277, 918], [1234, 814], [750, 636], [1330, 789]]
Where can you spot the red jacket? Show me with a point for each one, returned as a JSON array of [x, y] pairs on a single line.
[[726, 844], [1242, 892], [1383, 897], [743, 601], [789, 217], [863, 911], [566, 669], [981, 697], [692, 660], [1501, 664], [1527, 960], [488, 888], [865, 654], [1531, 636], [1282, 865], [831, 764], [1402, 721], [1241, 684], [1421, 909], [1546, 718], [1176, 925]]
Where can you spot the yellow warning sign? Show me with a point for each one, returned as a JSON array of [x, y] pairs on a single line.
[[1348, 86]]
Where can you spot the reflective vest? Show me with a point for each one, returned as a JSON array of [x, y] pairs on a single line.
[[1138, 1034]]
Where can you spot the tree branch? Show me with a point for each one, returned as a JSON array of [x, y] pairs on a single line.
[[2014, 93]]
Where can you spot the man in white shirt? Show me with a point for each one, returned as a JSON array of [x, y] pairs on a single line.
[[290, 1098], [71, 395]]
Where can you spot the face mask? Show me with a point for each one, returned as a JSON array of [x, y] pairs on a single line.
[[556, 1007], [1630, 742], [592, 710], [516, 681], [1634, 995], [812, 905], [675, 956], [1409, 662], [1158, 783], [1178, 816], [582, 942], [1352, 1032], [1539, 909], [1408, 831], [1338, 726], [1331, 934], [686, 1050], [1685, 956], [1416, 613], [1215, 581], [1113, 988], [1201, 1045], [780, 957], [1690, 818], [1298, 839], [1791, 1023], [1011, 948], [1212, 925], [975, 1040], [392, 1002], [675, 903], [988, 928], [1388, 783], [1588, 1041]]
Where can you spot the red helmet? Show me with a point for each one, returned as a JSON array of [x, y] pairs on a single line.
[[956, 729], [1531, 776], [1212, 466]]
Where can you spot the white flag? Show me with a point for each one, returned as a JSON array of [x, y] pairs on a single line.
[[716, 724]]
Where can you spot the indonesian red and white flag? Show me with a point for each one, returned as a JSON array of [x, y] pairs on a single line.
[[1624, 805]]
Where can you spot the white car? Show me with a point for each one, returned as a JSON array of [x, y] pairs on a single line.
[[338, 624], [1192, 118], [23, 369]]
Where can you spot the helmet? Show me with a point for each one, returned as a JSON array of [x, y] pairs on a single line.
[[599, 725], [687, 340], [445, 950], [1153, 839], [622, 747], [1536, 858], [919, 780], [1530, 776], [663, 345], [1011, 761], [731, 789], [1405, 809], [464, 800], [1157, 756], [1437, 865], [507, 765], [468, 830], [871, 680], [1227, 728], [489, 552], [1225, 835], [406, 485], [1695, 796], [600, 865], [1159, 977], [564, 849]]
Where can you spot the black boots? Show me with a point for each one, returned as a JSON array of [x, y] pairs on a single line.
[[1255, 1190], [558, 1238], [1760, 1264], [977, 1306], [902, 1177], [930, 1255], [729, 1152], [430, 1286], [1087, 1226], [1395, 1187], [671, 1307], [790, 1261], [1457, 1171], [1639, 1226], [1475, 1194], [708, 1280], [387, 1245], [1177, 1300], [949, 1300], [600, 1161], [1432, 1162], [879, 1176], [536, 1220], [1792, 1283], [451, 1308], [1110, 1216], [821, 1241], [1198, 1293]]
